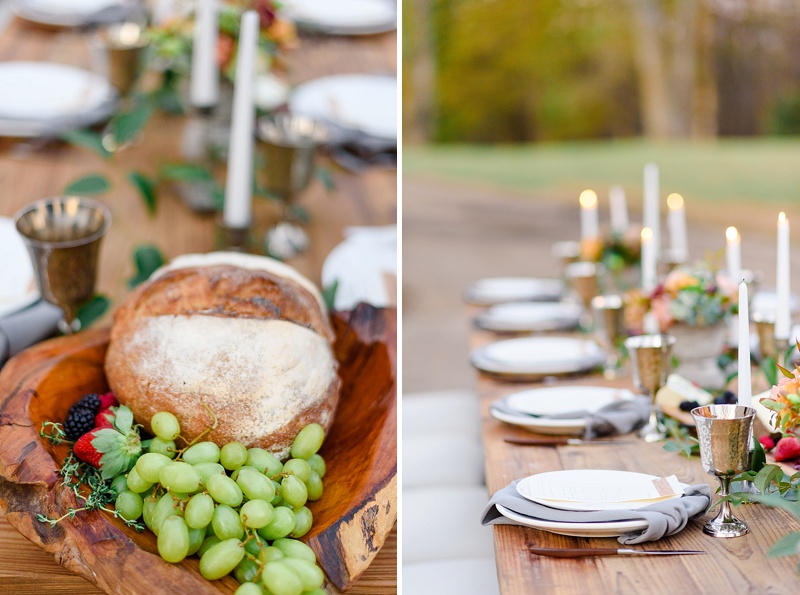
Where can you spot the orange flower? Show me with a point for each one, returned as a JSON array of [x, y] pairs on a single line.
[[677, 280]]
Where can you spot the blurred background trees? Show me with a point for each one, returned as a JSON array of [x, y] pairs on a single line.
[[513, 71]]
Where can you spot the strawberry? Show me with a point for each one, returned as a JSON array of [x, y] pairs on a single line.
[[113, 450], [767, 442], [108, 400], [787, 448], [105, 419]]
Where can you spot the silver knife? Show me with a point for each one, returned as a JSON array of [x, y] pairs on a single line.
[[571, 552]]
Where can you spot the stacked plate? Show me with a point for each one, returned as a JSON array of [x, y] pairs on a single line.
[[40, 98], [17, 282], [533, 358], [501, 290], [343, 17], [546, 410], [529, 317], [68, 13]]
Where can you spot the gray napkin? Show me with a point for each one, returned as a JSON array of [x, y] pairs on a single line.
[[618, 417], [664, 518], [22, 329]]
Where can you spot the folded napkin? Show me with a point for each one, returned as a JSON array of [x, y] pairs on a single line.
[[665, 518], [618, 417], [22, 329]]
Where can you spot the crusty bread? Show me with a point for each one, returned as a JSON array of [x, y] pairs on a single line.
[[246, 336]]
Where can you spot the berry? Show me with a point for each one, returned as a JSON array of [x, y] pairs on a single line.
[[787, 448], [108, 400], [688, 405], [726, 398], [113, 451], [767, 442], [79, 421], [105, 419], [90, 401], [85, 451]]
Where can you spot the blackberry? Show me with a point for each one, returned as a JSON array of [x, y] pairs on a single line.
[[688, 405], [90, 402], [79, 421], [726, 398]]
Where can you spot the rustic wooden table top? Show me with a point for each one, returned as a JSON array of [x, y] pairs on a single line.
[[731, 566], [369, 198]]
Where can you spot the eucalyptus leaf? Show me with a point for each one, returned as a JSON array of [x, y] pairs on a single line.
[[146, 258], [87, 139], [127, 125], [186, 172], [92, 310], [788, 545], [759, 459], [776, 501], [768, 367], [329, 294], [88, 185], [146, 186], [324, 175]]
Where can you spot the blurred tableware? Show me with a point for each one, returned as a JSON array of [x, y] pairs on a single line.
[[584, 279], [17, 281], [500, 290], [72, 13], [121, 47], [765, 327], [271, 92], [40, 98], [567, 252], [650, 356], [342, 17], [530, 358], [63, 237], [27, 327], [725, 434], [574, 552], [609, 324], [562, 442], [529, 317]]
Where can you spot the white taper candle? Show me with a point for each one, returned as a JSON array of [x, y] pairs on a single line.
[[590, 222], [204, 83], [678, 242], [745, 385], [652, 213], [618, 206], [649, 274], [782, 315]]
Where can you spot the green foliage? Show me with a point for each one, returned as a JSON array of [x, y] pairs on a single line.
[[323, 174], [92, 310], [329, 294], [768, 366], [88, 139], [127, 125], [146, 258], [88, 185], [146, 187], [681, 440]]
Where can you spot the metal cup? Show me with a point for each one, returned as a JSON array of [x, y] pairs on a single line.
[[765, 326], [583, 277], [724, 433], [124, 45], [63, 237], [610, 329], [651, 358]]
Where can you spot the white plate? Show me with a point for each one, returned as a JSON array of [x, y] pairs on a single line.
[[17, 281], [601, 529], [529, 316], [591, 480], [555, 400], [359, 102], [500, 290], [551, 427], [61, 13], [538, 356], [348, 17]]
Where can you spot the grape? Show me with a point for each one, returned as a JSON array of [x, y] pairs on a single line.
[[294, 491], [148, 508], [119, 484], [233, 455], [295, 549], [226, 523], [206, 470], [166, 507], [254, 485], [173, 539], [207, 543], [129, 505], [179, 477], [224, 490], [319, 591], [245, 571], [202, 452], [196, 538], [135, 483], [278, 499], [163, 447], [247, 588], [303, 519], [269, 554], [281, 525], [220, 559], [308, 441], [264, 461], [310, 574], [317, 463], [299, 468], [256, 514], [149, 464], [314, 487], [199, 510], [281, 579], [165, 425]]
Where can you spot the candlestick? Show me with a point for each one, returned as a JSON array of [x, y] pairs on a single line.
[[651, 214], [733, 254], [590, 226], [745, 386], [649, 275], [204, 85], [782, 315], [619, 210], [679, 248], [239, 184]]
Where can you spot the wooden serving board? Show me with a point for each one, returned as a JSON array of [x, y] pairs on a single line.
[[351, 520]]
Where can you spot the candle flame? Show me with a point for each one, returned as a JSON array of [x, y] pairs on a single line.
[[647, 234], [129, 34], [588, 199], [732, 234], [781, 217], [675, 201]]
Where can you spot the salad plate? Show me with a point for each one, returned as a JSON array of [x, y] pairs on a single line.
[[600, 529], [536, 357], [529, 316], [500, 290], [342, 17]]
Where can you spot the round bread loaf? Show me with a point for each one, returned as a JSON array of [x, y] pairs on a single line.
[[245, 336]]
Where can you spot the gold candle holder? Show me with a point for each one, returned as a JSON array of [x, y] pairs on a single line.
[[233, 239], [124, 44], [765, 327]]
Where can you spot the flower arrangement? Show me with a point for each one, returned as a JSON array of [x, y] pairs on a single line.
[[784, 401], [615, 251]]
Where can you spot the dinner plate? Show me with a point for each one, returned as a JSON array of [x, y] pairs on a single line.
[[61, 13], [344, 17], [599, 529], [529, 316], [500, 290], [595, 489], [363, 103], [532, 357], [17, 281]]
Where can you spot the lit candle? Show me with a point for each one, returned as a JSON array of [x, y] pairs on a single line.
[[677, 228], [745, 386], [619, 210], [649, 275], [782, 313], [590, 226], [651, 213], [239, 183], [733, 254], [204, 84]]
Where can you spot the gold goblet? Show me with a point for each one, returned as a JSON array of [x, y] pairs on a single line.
[[63, 237], [650, 357], [610, 329], [583, 278]]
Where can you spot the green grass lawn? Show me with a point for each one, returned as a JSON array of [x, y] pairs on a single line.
[[764, 170]]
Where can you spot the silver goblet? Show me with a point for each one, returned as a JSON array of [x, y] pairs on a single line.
[[63, 237], [583, 277], [724, 432], [610, 329], [650, 357]]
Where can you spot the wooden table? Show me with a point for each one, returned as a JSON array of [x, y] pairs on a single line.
[[369, 198], [731, 566]]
